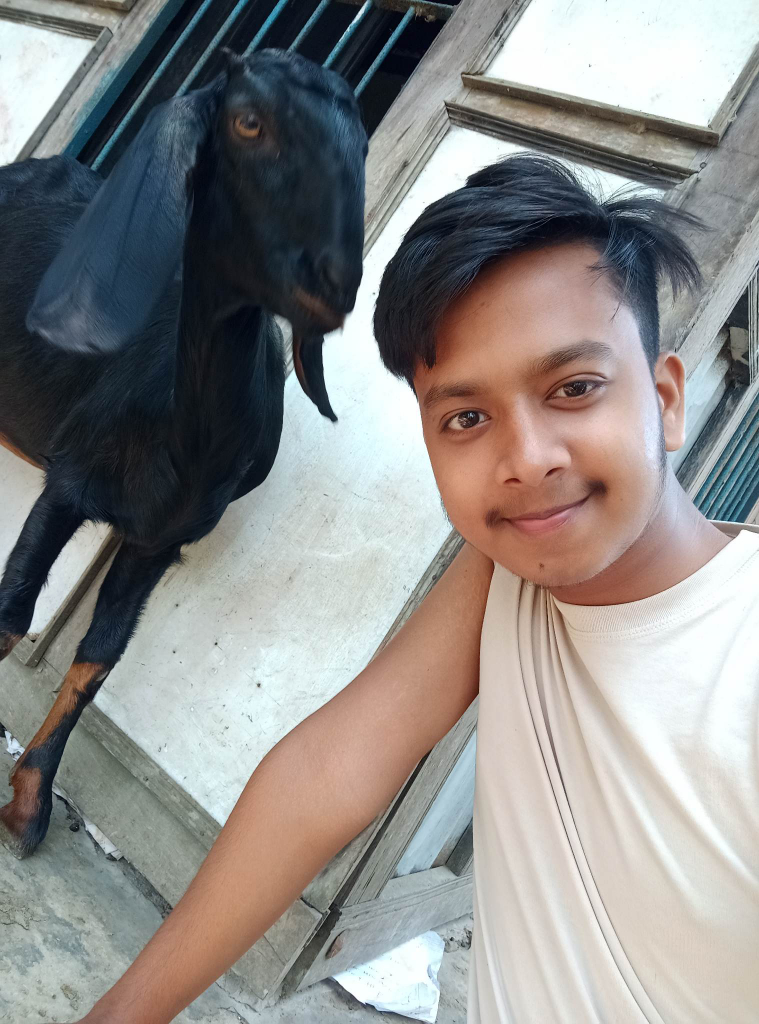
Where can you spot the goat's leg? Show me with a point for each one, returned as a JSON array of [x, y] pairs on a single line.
[[48, 528], [126, 588]]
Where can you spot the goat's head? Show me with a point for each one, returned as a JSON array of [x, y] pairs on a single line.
[[285, 213], [267, 165]]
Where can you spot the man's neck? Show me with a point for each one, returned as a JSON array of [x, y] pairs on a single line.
[[677, 543]]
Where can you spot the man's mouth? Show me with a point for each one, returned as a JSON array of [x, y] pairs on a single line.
[[548, 519]]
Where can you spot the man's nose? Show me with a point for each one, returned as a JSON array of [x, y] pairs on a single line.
[[529, 453]]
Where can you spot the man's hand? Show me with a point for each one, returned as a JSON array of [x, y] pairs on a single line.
[[317, 789]]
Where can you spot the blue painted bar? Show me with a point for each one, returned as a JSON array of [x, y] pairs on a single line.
[[255, 42], [209, 51], [324, 4], [744, 478], [346, 36], [718, 489], [733, 472], [127, 119], [405, 20]]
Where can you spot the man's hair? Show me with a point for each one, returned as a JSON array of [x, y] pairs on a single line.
[[525, 202]]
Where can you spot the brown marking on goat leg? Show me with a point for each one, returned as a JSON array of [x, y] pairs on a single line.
[[7, 443], [7, 642], [24, 821], [78, 679], [17, 816]]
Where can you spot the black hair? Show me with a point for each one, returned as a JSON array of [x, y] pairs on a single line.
[[520, 203]]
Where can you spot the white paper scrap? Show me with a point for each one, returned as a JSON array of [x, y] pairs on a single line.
[[403, 981]]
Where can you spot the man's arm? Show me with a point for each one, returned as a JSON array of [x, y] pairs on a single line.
[[316, 790]]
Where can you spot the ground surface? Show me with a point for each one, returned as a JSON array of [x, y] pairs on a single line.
[[71, 921]]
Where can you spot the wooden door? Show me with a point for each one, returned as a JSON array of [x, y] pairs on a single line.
[[599, 86]]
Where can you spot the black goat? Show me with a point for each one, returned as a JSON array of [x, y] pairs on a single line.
[[140, 363]]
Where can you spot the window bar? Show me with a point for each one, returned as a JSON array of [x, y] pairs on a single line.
[[266, 26], [744, 480], [424, 8], [324, 4], [744, 494], [125, 121], [734, 470], [346, 36], [385, 51], [209, 51], [716, 488], [753, 326]]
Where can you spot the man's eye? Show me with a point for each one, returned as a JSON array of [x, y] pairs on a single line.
[[464, 420], [576, 389]]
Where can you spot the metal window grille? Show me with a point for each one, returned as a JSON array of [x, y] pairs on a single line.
[[375, 44], [731, 490]]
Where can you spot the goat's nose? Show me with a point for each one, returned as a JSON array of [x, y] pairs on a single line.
[[337, 277]]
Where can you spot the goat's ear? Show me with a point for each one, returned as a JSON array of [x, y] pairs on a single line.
[[232, 61], [309, 369], [123, 253]]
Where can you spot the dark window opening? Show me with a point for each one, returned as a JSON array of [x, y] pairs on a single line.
[[189, 48]]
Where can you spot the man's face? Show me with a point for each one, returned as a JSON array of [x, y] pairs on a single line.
[[544, 427]]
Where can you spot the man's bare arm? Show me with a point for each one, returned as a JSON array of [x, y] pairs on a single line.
[[316, 790]]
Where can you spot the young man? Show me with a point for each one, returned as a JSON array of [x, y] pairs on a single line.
[[612, 646]]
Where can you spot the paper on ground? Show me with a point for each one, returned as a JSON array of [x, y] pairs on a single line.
[[403, 981], [15, 749]]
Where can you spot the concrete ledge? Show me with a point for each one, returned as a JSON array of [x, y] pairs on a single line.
[[152, 839]]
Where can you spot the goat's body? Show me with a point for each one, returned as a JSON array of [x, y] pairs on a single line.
[[140, 364], [155, 439], [109, 429]]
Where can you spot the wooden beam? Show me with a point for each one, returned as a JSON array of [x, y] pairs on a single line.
[[408, 906], [724, 192], [136, 31], [422, 8], [391, 842], [729, 106], [647, 156], [417, 119], [753, 327], [594, 108], [461, 860]]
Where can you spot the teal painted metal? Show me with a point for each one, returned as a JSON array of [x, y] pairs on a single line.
[[400, 29], [324, 4], [258, 37], [345, 38], [738, 464], [729, 492], [208, 52], [113, 84], [129, 116]]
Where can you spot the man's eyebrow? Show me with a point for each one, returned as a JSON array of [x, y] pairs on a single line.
[[540, 368], [457, 389], [570, 354]]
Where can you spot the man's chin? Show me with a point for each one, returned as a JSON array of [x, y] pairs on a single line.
[[558, 578]]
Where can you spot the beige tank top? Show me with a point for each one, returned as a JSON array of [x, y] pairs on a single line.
[[616, 824]]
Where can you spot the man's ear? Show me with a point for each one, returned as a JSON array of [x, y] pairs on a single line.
[[669, 376]]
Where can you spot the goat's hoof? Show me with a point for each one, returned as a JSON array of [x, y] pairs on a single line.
[[20, 839], [7, 642]]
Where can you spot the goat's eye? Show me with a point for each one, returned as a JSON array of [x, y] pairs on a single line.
[[248, 126]]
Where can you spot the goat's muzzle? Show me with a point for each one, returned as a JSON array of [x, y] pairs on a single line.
[[324, 316]]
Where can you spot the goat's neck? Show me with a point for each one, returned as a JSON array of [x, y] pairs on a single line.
[[218, 346]]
